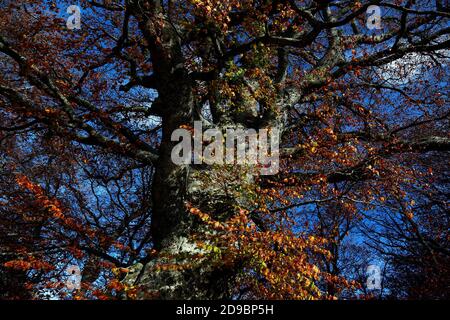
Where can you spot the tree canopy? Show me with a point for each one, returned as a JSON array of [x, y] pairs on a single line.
[[357, 89]]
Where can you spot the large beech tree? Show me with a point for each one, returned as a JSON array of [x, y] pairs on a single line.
[[85, 133]]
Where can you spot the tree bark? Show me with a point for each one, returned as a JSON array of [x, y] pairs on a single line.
[[176, 186]]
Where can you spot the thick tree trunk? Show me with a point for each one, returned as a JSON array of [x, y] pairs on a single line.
[[173, 227], [216, 190], [175, 186]]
